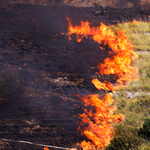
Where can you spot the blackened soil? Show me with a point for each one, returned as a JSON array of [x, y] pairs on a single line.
[[51, 70]]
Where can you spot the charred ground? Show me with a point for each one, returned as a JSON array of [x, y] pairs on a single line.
[[50, 70]]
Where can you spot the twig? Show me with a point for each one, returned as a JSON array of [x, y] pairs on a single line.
[[27, 142]]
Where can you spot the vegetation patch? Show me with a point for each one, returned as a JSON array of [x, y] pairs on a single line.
[[126, 138], [145, 130], [137, 32], [143, 65], [134, 132]]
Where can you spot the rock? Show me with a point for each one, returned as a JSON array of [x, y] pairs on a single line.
[[136, 93], [100, 12], [129, 95]]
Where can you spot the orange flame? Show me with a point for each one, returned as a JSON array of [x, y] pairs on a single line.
[[46, 148], [100, 116], [100, 120], [119, 63], [99, 85], [134, 22]]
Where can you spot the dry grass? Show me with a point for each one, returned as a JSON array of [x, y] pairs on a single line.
[[143, 83], [135, 109], [138, 33]]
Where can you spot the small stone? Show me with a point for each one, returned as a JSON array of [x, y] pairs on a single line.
[[99, 12], [129, 95], [136, 93]]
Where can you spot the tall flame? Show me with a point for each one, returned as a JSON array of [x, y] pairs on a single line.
[[99, 112], [122, 50]]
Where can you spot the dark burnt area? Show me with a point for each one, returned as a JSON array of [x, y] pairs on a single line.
[[50, 72]]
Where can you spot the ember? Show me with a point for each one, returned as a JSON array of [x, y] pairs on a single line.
[[99, 112]]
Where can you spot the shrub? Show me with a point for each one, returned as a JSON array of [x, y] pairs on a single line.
[[145, 130], [126, 138]]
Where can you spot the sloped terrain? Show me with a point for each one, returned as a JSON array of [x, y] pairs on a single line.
[[50, 69]]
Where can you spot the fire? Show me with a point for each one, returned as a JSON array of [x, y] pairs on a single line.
[[100, 119], [46, 148], [99, 85], [122, 50], [99, 110], [134, 22]]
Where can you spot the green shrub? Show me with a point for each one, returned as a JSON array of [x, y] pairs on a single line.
[[145, 130], [126, 138]]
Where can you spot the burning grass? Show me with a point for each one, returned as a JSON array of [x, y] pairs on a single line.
[[131, 117], [101, 120], [131, 134], [143, 85], [143, 62], [136, 109], [138, 33]]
